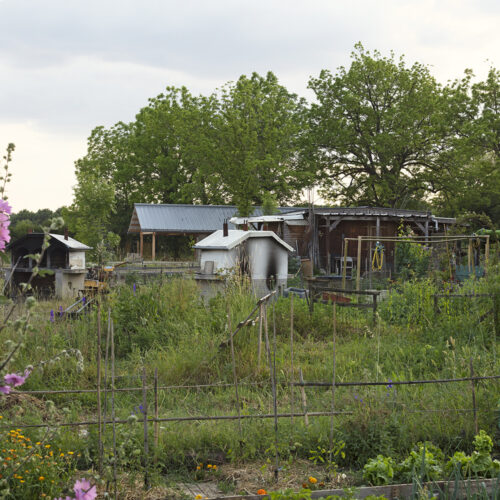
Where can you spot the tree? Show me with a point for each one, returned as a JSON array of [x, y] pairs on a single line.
[[256, 136], [378, 131], [90, 213]]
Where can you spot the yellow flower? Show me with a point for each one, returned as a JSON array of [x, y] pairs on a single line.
[[198, 467], [70, 452], [209, 466], [21, 481], [41, 478], [214, 467], [61, 455], [312, 480], [198, 497], [47, 446]]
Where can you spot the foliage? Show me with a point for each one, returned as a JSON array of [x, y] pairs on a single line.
[[328, 457], [33, 469], [377, 131], [411, 259], [90, 213], [379, 471]]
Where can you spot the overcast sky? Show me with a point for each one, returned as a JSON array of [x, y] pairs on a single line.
[[67, 66]]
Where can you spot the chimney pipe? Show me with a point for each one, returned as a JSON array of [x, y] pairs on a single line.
[[245, 226], [66, 233], [30, 231], [225, 228]]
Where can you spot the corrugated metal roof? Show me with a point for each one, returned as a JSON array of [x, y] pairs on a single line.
[[71, 243], [372, 211], [216, 241], [173, 218]]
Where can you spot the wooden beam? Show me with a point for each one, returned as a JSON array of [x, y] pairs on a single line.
[[344, 270], [377, 228], [153, 247], [141, 244]]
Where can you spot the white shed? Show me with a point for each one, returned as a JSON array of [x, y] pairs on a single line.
[[260, 254]]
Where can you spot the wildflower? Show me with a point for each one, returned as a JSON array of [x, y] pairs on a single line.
[[5, 210], [214, 467], [198, 467], [47, 446], [198, 497], [389, 385], [4, 389], [51, 317], [15, 380], [135, 288], [312, 480], [209, 466], [41, 478], [262, 491], [60, 310]]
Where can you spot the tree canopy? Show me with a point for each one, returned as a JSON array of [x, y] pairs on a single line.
[[380, 132]]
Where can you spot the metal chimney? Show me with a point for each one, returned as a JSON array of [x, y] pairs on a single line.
[[225, 228], [66, 233]]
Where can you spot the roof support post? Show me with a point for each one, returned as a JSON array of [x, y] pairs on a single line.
[[141, 244], [153, 246], [377, 228], [358, 265]]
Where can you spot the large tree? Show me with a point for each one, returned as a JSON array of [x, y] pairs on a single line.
[[257, 131], [378, 131]]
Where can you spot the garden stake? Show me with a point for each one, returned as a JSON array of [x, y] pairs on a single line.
[[156, 409], [106, 360], [259, 345], [304, 399], [474, 409], [235, 378], [113, 417], [333, 376], [99, 416], [145, 424], [291, 361], [275, 399]]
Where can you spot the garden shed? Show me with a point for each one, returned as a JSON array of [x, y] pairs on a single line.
[[262, 255], [65, 256]]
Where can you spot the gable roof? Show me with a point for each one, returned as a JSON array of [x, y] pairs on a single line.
[[235, 237], [180, 219], [70, 243]]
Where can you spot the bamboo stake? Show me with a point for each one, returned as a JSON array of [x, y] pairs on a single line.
[[145, 425], [473, 384], [334, 363], [291, 362], [486, 254], [156, 410], [304, 398], [259, 345], [235, 378], [275, 399], [113, 417], [99, 411], [106, 360]]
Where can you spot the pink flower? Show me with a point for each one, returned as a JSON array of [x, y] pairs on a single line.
[[5, 207], [5, 210], [83, 491], [4, 389], [15, 380]]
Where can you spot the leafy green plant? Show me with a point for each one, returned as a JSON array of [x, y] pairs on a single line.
[[324, 456], [424, 463], [379, 471]]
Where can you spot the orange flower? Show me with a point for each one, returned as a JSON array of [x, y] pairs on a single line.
[[262, 491], [304, 485], [312, 480]]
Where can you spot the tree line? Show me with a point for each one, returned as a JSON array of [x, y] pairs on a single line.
[[379, 132]]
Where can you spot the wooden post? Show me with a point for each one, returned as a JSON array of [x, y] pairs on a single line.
[[344, 270], [141, 244], [304, 398], [99, 413], [235, 378], [486, 254], [292, 405], [259, 345], [334, 362], [106, 357], [113, 407], [266, 332], [469, 256], [474, 409], [145, 426], [374, 308], [153, 247], [358, 266], [156, 410], [377, 228]]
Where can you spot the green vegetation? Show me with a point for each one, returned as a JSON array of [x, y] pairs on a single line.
[[164, 326]]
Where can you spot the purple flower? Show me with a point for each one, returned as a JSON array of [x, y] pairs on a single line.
[[15, 380], [389, 385], [135, 288], [5, 210], [84, 300], [51, 318], [4, 389], [61, 312], [83, 491]]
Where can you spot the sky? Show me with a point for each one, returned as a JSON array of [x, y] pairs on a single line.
[[67, 66]]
